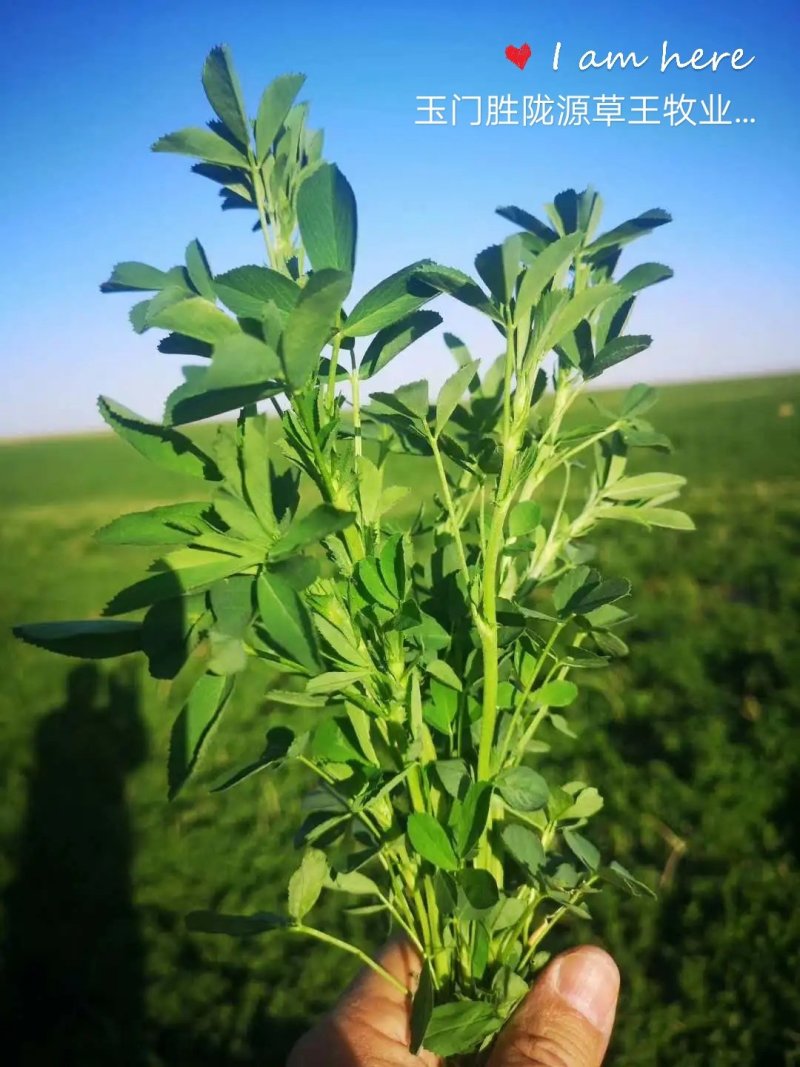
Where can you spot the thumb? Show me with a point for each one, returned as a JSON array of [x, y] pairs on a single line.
[[566, 1019]]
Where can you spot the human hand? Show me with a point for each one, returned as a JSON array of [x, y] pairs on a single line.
[[564, 1021]]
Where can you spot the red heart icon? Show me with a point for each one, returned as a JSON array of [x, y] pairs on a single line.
[[519, 56]]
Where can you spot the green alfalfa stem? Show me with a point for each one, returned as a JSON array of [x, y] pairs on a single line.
[[447, 497], [491, 565], [523, 697], [259, 192], [332, 370], [345, 946]]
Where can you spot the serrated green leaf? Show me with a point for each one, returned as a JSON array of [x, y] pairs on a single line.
[[286, 620], [498, 266], [199, 270], [430, 840], [87, 639], [522, 788], [647, 439], [192, 727], [524, 518], [132, 276], [202, 144], [180, 344], [330, 742], [273, 109], [341, 644], [573, 312], [444, 673], [638, 400], [334, 681], [581, 591], [616, 351], [545, 267], [472, 817], [172, 524], [583, 849], [421, 1009], [372, 585], [311, 324], [558, 693], [249, 290], [460, 1027], [479, 888], [587, 803], [280, 743], [183, 571], [225, 93], [241, 361], [392, 340], [317, 524], [451, 393], [410, 401], [354, 882], [388, 302], [307, 883], [644, 275], [392, 565], [528, 222], [196, 318], [326, 213], [667, 518], [166, 447], [525, 847], [192, 401], [630, 230], [644, 486], [459, 285], [453, 774]]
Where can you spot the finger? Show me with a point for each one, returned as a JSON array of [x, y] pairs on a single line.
[[566, 1019], [370, 1026]]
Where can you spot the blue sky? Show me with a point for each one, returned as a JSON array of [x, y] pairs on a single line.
[[85, 88]]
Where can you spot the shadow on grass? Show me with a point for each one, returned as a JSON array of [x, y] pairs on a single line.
[[73, 957]]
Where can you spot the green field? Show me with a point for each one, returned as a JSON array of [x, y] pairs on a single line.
[[694, 741]]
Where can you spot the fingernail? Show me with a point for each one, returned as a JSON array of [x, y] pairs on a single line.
[[589, 982]]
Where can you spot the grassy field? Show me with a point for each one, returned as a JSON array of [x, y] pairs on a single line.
[[695, 742]]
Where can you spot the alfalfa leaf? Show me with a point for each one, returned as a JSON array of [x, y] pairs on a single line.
[[202, 144], [460, 1027], [171, 524], [193, 725], [429, 838], [307, 883], [392, 340], [196, 317], [286, 620], [386, 303], [249, 290], [164, 446], [525, 847], [522, 788], [225, 93], [311, 323], [276, 101], [86, 639], [212, 922], [132, 276], [199, 270], [327, 216], [451, 393]]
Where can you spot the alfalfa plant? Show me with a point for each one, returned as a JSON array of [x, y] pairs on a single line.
[[435, 645]]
